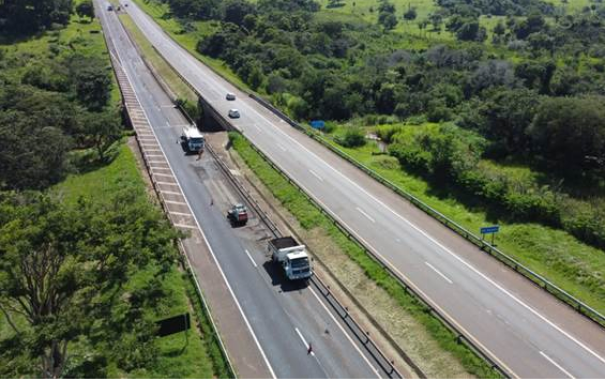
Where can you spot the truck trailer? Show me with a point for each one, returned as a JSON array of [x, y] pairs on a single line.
[[292, 257]]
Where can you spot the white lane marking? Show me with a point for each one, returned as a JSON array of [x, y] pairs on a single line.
[[365, 214], [250, 257], [345, 332], [303, 340], [180, 214], [557, 365], [282, 148], [153, 155], [439, 272], [174, 202], [316, 175], [185, 226], [260, 348], [170, 192], [165, 182], [257, 127], [162, 174]]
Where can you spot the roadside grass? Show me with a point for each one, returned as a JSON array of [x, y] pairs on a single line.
[[310, 218], [553, 253], [188, 34], [176, 84]]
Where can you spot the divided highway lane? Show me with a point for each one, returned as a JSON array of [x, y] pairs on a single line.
[[529, 332], [283, 320]]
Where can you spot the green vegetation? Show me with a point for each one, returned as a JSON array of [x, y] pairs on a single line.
[[78, 233], [310, 217], [559, 256], [514, 89]]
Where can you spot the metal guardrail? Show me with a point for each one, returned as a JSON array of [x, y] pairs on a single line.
[[206, 308], [485, 246], [379, 357], [460, 336]]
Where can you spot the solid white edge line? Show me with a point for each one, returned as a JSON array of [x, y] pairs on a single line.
[[345, 333], [250, 257], [439, 272], [557, 365], [365, 214], [204, 236]]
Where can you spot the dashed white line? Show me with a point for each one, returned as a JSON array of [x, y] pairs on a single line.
[[316, 175], [282, 148], [557, 365], [250, 257], [345, 333], [439, 272], [303, 340], [365, 214], [166, 182]]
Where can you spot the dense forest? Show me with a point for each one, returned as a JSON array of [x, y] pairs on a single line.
[[526, 88]]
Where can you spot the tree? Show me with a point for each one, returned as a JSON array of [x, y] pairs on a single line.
[[62, 268], [569, 133], [31, 157], [102, 130], [387, 20], [85, 9], [237, 10], [92, 87], [410, 14]]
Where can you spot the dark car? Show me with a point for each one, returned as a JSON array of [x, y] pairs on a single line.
[[238, 215]]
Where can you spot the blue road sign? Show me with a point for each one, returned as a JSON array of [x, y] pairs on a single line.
[[318, 124], [490, 229]]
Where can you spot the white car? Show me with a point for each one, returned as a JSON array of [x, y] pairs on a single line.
[[230, 96], [234, 113]]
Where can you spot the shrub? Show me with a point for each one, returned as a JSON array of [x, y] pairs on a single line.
[[353, 137]]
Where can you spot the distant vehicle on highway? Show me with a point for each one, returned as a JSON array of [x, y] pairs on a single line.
[[230, 97], [238, 215], [234, 113], [291, 257], [191, 139], [109, 7]]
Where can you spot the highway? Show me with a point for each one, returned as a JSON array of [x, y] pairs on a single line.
[[284, 317], [530, 333]]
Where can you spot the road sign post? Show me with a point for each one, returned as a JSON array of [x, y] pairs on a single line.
[[490, 230]]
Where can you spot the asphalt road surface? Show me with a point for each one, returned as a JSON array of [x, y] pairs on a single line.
[[285, 317], [526, 330]]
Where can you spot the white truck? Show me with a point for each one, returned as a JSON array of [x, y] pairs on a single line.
[[192, 139], [292, 257]]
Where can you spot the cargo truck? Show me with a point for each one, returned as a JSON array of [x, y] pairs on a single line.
[[191, 139], [292, 257]]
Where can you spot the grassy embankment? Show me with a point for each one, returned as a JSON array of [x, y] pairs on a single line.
[[550, 252]]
